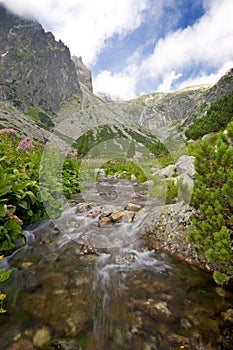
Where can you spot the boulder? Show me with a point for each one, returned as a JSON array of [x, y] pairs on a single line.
[[164, 172], [133, 178], [185, 164], [133, 207], [104, 220], [94, 212], [117, 216], [129, 216], [206, 137], [185, 169]]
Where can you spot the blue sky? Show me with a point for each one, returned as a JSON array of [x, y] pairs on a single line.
[[141, 46]]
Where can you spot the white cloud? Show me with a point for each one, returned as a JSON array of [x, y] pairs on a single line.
[[120, 86], [168, 80], [207, 78], [84, 25], [208, 42]]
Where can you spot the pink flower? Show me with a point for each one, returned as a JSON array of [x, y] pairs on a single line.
[[7, 131], [25, 143]]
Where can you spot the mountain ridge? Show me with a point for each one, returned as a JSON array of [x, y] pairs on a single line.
[[38, 76]]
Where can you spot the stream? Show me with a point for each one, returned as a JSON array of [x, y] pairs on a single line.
[[82, 282]]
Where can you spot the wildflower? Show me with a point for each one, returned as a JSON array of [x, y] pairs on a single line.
[[2, 297], [25, 144], [7, 131], [45, 140]]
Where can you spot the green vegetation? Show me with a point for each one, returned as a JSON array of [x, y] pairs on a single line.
[[96, 136], [41, 118], [124, 167], [212, 196], [4, 275], [218, 116], [20, 193]]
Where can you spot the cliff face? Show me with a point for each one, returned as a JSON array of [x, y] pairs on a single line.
[[35, 69], [169, 113], [37, 72], [83, 73]]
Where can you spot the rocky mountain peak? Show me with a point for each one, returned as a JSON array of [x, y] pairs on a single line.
[[35, 69], [84, 74]]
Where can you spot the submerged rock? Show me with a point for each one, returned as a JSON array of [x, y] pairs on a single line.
[[66, 345], [228, 315], [21, 344], [42, 337], [156, 310], [67, 312]]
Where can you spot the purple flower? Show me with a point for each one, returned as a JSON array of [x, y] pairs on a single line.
[[7, 131], [25, 144]]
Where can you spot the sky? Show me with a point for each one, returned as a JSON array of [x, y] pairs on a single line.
[[135, 47]]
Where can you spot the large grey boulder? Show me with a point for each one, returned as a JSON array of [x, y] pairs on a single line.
[[185, 169]]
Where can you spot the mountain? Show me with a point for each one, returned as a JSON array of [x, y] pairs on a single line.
[[35, 69], [44, 89], [83, 73]]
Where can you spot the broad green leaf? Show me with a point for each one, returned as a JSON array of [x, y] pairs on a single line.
[[4, 275]]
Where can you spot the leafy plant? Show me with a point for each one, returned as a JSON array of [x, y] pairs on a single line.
[[22, 196], [4, 275]]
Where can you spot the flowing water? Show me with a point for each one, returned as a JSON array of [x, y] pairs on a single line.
[[117, 295]]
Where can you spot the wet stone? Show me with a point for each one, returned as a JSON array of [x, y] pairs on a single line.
[[65, 345], [26, 265], [133, 207], [21, 344], [85, 250], [42, 337], [129, 216], [66, 312], [94, 212], [105, 220], [228, 315], [31, 280], [117, 216], [178, 342], [156, 310], [84, 207], [54, 280]]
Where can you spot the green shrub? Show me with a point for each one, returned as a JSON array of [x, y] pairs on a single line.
[[212, 196], [218, 116], [124, 167]]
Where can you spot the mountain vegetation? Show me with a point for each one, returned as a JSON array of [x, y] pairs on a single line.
[[217, 117], [21, 200], [212, 197], [45, 93]]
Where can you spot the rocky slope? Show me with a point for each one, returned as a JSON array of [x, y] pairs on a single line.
[[35, 69], [38, 74], [170, 113]]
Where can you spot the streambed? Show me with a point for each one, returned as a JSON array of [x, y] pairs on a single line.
[[77, 285]]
